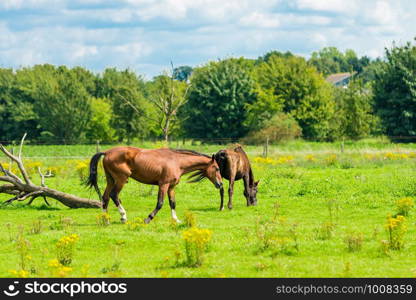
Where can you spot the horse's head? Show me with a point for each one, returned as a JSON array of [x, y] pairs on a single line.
[[212, 172], [251, 193]]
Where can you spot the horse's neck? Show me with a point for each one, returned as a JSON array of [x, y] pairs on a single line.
[[250, 176], [193, 163]]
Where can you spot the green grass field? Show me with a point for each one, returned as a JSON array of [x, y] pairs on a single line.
[[312, 199]]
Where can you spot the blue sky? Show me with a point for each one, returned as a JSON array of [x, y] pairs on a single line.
[[145, 35]]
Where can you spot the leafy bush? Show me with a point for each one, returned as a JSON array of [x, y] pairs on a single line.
[[280, 128], [196, 242], [103, 219], [136, 224], [190, 219], [396, 229], [276, 236], [325, 231], [354, 241], [58, 270], [65, 249], [404, 205], [36, 227]]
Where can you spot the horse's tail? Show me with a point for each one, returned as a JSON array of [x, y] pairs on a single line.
[[92, 180]]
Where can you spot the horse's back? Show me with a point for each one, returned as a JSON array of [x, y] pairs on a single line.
[[233, 161], [130, 154], [120, 155], [144, 165]]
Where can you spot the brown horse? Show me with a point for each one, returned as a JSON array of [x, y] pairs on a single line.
[[163, 167], [235, 165]]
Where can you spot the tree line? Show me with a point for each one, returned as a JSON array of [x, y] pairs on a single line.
[[278, 95]]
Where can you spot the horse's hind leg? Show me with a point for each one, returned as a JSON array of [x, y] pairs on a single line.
[[160, 197], [114, 196], [172, 203], [106, 196], [108, 188]]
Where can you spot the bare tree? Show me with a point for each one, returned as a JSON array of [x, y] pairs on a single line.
[[167, 96], [170, 96], [23, 188]]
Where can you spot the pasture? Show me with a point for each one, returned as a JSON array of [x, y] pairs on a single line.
[[321, 213]]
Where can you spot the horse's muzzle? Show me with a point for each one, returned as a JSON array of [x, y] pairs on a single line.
[[218, 185]]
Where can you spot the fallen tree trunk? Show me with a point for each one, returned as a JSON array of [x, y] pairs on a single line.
[[23, 188]]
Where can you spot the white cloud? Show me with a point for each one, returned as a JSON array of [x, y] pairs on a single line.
[[261, 20], [148, 34], [170, 9], [82, 51], [293, 20], [25, 4], [133, 50], [339, 6], [383, 13]]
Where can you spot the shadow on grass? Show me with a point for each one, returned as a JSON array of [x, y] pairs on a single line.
[[205, 209], [27, 207]]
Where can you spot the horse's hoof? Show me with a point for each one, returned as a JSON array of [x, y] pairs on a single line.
[[177, 221], [146, 221], [123, 221], [221, 208]]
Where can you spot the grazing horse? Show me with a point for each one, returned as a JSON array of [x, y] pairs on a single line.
[[234, 165], [163, 167]]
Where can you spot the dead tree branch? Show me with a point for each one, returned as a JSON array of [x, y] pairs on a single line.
[[43, 176], [24, 189]]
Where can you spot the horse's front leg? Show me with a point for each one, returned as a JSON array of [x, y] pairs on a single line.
[[160, 197], [230, 193], [222, 197], [172, 203], [246, 189]]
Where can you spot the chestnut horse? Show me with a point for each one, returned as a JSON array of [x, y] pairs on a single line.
[[235, 165], [163, 167]]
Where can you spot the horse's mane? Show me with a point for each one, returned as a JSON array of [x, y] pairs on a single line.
[[198, 175], [238, 148], [190, 152]]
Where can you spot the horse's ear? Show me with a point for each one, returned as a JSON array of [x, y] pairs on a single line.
[[213, 157], [256, 183]]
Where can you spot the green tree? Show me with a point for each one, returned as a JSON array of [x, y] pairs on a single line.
[[395, 91], [292, 86], [268, 55], [353, 116], [87, 79], [182, 73], [368, 74], [61, 102], [99, 127], [17, 115], [219, 94], [330, 60], [125, 91]]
